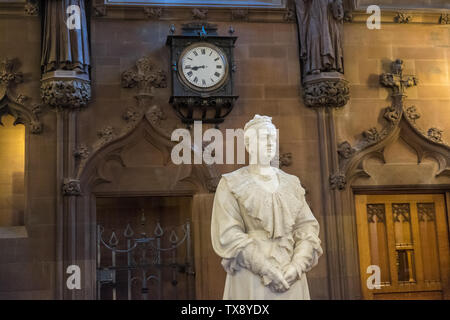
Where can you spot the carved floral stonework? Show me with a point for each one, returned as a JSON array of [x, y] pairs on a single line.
[[435, 135], [71, 94], [239, 14], [326, 93], [155, 115], [345, 150], [32, 8], [289, 15], [403, 18], [132, 114], [338, 181], [71, 187], [153, 13], [82, 152], [444, 19], [412, 114], [391, 114], [106, 134], [199, 14], [12, 103], [285, 159]]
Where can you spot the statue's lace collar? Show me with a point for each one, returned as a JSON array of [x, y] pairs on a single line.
[[277, 210]]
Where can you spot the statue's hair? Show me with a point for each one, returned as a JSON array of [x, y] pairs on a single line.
[[257, 121]]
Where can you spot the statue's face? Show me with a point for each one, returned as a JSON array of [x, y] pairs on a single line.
[[262, 144]]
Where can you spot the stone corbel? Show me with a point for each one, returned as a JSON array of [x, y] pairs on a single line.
[[326, 90], [71, 187], [64, 89], [13, 104]]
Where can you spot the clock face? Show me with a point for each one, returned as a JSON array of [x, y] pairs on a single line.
[[203, 66]]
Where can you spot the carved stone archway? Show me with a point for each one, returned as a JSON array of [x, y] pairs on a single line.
[[353, 175]]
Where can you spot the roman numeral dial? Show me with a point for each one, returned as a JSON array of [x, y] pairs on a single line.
[[203, 66]]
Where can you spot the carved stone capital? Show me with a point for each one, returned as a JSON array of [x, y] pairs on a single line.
[[71, 187], [66, 93], [326, 91]]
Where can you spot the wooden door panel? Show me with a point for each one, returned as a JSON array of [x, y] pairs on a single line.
[[407, 237]]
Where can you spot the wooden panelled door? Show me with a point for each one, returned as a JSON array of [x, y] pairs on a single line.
[[406, 236]]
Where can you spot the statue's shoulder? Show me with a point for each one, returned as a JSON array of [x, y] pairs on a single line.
[[292, 180], [236, 175], [290, 177]]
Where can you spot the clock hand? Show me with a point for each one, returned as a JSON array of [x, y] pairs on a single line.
[[198, 67]]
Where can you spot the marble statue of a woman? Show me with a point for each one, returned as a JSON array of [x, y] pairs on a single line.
[[262, 226]]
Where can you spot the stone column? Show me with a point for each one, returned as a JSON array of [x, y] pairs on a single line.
[[320, 24], [65, 87]]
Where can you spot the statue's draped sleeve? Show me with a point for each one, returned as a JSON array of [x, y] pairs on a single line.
[[307, 249], [228, 232]]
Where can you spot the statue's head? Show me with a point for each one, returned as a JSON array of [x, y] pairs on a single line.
[[260, 136]]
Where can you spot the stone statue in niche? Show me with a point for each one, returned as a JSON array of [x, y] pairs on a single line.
[[64, 48], [262, 226], [320, 28]]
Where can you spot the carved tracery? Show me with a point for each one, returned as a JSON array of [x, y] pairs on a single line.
[[400, 121], [12, 103], [143, 121]]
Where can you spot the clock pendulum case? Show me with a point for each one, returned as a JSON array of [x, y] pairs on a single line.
[[202, 65]]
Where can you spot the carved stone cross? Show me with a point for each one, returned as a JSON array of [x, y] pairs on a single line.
[[396, 80], [145, 75]]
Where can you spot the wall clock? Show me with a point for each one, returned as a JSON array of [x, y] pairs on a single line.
[[202, 74]]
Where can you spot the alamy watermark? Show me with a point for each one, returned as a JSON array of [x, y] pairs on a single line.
[[208, 147]]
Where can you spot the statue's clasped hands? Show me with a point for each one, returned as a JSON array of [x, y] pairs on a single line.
[[281, 280]]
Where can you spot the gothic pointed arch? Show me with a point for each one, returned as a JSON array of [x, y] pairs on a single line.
[[400, 123]]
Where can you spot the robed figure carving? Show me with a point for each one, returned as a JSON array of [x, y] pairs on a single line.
[[262, 226], [320, 29], [65, 48]]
